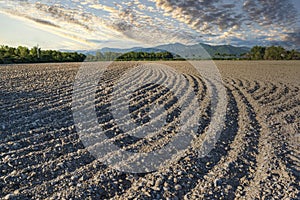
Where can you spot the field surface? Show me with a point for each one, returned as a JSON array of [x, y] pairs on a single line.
[[42, 156]]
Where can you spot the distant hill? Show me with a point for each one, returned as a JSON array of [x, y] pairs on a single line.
[[134, 49], [196, 51], [203, 50], [117, 50], [226, 49]]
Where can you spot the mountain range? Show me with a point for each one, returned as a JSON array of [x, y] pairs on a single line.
[[196, 51]]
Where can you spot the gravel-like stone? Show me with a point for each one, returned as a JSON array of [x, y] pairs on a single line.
[[178, 187]]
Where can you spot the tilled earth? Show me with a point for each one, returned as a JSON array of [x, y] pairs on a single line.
[[42, 156]]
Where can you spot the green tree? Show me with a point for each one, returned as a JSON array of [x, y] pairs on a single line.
[[257, 52], [275, 53], [35, 52], [23, 52]]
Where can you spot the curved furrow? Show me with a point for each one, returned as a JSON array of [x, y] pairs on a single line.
[[157, 98], [286, 144], [45, 173], [41, 117], [106, 89], [96, 175], [263, 91], [197, 82], [227, 179], [292, 117], [128, 82], [54, 150], [130, 134], [167, 134], [281, 91], [18, 146], [245, 84], [102, 184], [271, 90], [108, 105], [146, 88], [272, 169], [287, 94], [284, 107], [188, 170], [239, 82], [122, 91], [253, 88], [293, 162]]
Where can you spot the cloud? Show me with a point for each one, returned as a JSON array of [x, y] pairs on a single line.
[[228, 20], [103, 7], [58, 12], [204, 15], [22, 15], [44, 22], [122, 26], [279, 13], [71, 23], [150, 30], [293, 37], [207, 15], [153, 22]]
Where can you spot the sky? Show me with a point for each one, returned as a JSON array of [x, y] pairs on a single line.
[[94, 24]]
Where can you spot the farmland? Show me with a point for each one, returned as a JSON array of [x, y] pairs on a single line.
[[42, 155]]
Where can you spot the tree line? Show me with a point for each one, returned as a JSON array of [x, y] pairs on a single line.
[[225, 56], [36, 55], [131, 56], [271, 53], [107, 56], [261, 53]]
